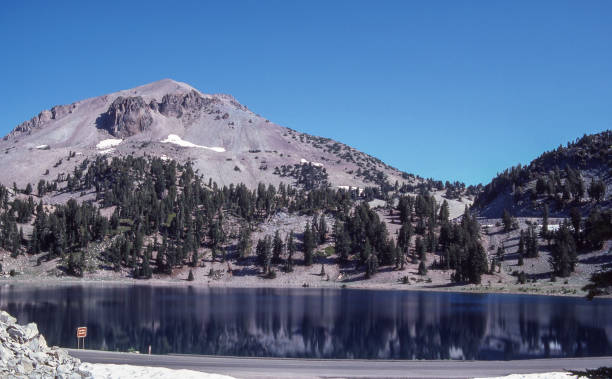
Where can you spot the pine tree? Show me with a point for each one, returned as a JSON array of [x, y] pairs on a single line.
[[420, 249], [563, 256], [422, 268], [576, 219], [277, 248], [145, 269], [444, 212], [309, 245], [372, 265], [366, 252], [114, 221], [244, 242], [342, 245], [322, 230], [194, 258], [314, 229], [291, 249], [477, 263], [532, 243], [264, 253], [501, 252], [508, 221], [403, 237], [544, 231], [597, 190], [521, 244]]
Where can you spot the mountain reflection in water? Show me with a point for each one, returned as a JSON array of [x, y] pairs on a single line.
[[315, 323]]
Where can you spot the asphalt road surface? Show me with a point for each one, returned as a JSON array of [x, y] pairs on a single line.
[[332, 368]]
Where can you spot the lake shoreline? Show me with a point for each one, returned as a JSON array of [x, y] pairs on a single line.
[[265, 284]]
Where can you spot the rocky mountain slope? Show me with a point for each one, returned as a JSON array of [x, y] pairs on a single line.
[[578, 175], [224, 139]]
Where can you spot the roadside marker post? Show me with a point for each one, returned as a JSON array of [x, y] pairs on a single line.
[[81, 333]]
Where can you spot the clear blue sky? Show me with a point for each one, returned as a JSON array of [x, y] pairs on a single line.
[[455, 90]]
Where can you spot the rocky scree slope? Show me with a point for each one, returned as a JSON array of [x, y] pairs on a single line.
[[24, 354], [224, 139]]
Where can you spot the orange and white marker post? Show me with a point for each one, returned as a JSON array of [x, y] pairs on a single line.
[[81, 333]]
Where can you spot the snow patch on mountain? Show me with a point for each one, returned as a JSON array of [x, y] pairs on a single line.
[[173, 138], [108, 143], [312, 163]]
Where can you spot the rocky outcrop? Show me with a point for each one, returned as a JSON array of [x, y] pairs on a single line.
[[55, 113], [185, 105], [232, 100], [24, 354], [125, 117]]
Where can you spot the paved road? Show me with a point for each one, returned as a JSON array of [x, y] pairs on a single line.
[[328, 368]]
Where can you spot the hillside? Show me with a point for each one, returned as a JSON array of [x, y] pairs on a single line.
[[162, 181], [153, 218], [222, 138], [578, 175]]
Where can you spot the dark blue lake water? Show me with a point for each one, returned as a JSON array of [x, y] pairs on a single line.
[[321, 323]]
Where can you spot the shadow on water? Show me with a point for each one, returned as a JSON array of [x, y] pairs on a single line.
[[315, 323]]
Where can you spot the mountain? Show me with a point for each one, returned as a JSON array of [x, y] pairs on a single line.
[[578, 175], [223, 139]]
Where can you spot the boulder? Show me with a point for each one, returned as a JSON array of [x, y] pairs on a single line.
[[6, 318], [5, 354], [37, 343], [17, 334], [30, 331]]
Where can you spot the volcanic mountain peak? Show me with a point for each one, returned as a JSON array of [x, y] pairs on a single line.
[[158, 89], [223, 139]]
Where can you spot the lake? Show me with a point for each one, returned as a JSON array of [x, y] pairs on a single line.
[[315, 323]]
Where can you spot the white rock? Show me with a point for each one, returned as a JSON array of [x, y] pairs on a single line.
[[27, 365], [5, 354], [39, 357], [6, 318], [30, 331], [63, 369], [37, 344]]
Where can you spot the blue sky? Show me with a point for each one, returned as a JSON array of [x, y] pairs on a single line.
[[455, 90]]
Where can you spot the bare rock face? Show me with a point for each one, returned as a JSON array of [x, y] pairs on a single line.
[[42, 119], [125, 117], [179, 105], [128, 116]]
